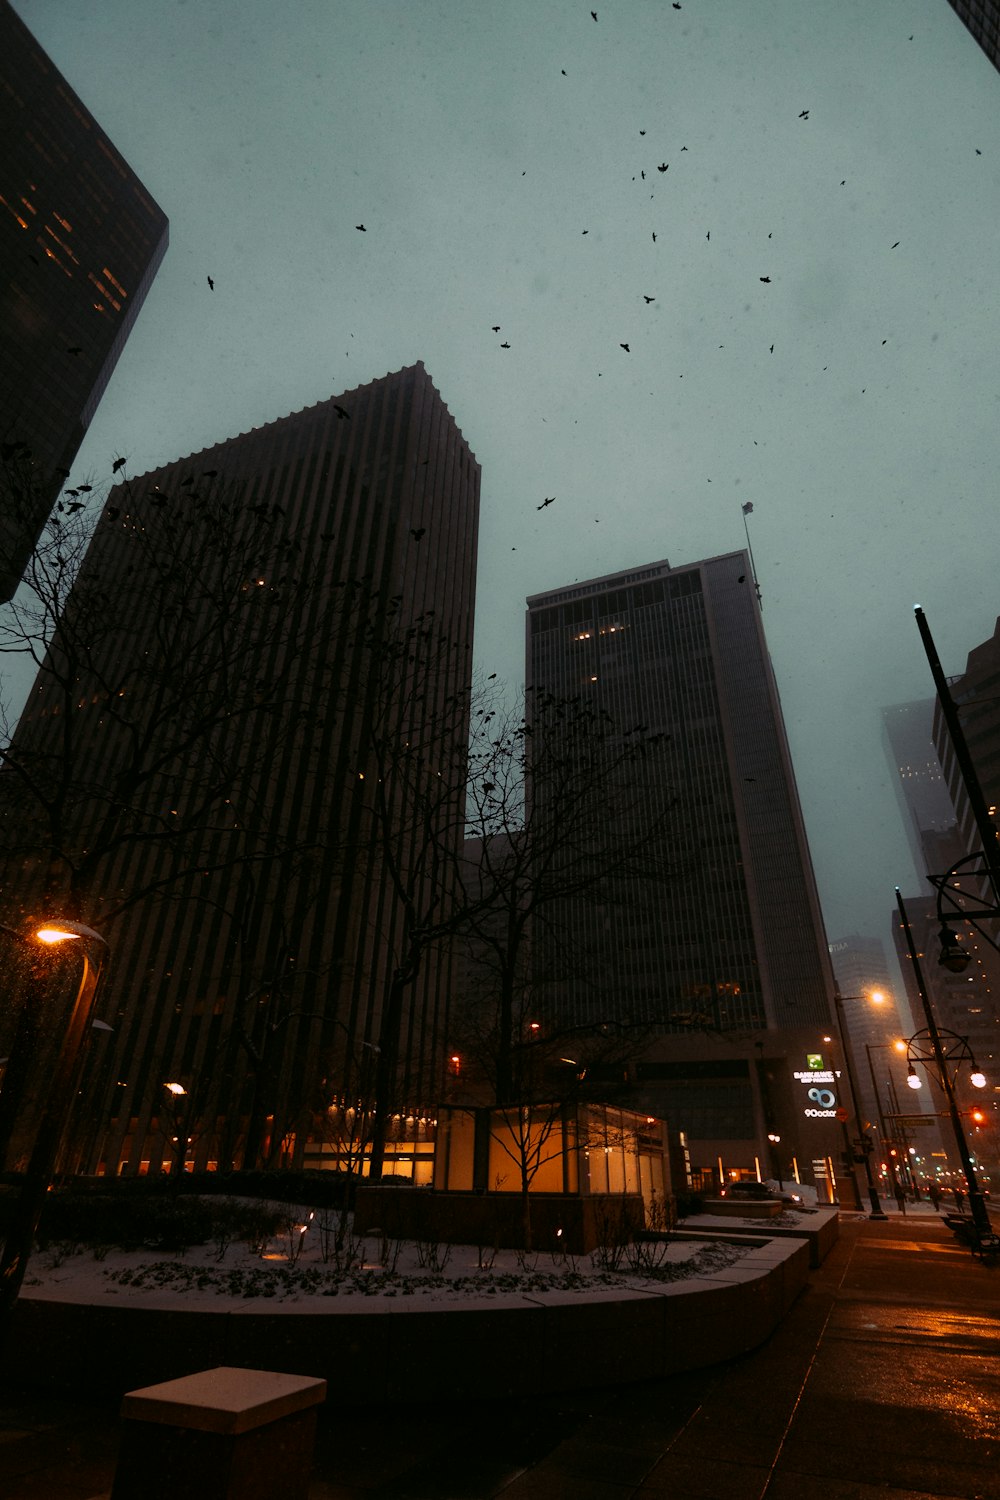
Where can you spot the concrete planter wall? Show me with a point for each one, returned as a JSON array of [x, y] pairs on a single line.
[[496, 1219], [391, 1350]]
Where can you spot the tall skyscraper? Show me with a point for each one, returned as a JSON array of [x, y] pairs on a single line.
[[306, 591], [732, 946], [80, 243]]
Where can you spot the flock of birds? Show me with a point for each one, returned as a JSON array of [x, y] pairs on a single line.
[[660, 167]]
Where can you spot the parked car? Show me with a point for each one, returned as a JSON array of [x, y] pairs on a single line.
[[758, 1191], [787, 1195], [752, 1190]]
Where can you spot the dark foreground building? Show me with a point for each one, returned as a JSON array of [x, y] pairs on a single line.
[[259, 736], [80, 243], [726, 965]]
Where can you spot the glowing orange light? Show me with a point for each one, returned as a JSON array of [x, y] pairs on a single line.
[[56, 935]]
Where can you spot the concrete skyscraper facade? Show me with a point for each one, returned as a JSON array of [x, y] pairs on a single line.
[[732, 946], [254, 972], [80, 243]]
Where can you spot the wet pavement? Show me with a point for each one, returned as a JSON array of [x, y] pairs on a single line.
[[883, 1381]]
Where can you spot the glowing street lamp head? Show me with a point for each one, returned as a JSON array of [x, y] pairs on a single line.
[[912, 1080], [177, 1089], [62, 930], [977, 1079], [52, 935]]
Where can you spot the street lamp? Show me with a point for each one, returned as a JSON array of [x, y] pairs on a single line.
[[180, 1099], [845, 1046], [896, 1140], [940, 1055], [60, 1086]]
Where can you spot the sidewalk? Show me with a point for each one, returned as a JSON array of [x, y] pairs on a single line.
[[883, 1381]]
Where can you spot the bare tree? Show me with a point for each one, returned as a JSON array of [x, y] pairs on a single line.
[[565, 806], [166, 747]]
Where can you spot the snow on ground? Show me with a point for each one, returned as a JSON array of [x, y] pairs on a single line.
[[301, 1270]]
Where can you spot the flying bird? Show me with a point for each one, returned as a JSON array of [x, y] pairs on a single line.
[[211, 283], [804, 115], [547, 501], [209, 473], [594, 14], [676, 5], [75, 505], [84, 489], [119, 463], [765, 278], [647, 299], [417, 532], [663, 167], [496, 327], [895, 246], [504, 346], [654, 236], [625, 347], [362, 228], [341, 413]]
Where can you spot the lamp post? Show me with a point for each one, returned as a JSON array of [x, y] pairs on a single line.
[[60, 1085], [877, 1211], [940, 1058], [180, 1101], [895, 1138]]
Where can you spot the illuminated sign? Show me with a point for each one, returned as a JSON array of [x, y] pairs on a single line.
[[822, 1101], [814, 1061]]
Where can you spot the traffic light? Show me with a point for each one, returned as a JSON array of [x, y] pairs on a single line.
[[978, 1116]]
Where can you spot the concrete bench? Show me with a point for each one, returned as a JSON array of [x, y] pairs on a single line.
[[222, 1434]]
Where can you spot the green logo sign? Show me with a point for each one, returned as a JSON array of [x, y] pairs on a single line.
[[814, 1061]]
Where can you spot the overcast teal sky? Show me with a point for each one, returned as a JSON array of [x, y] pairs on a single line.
[[847, 150]]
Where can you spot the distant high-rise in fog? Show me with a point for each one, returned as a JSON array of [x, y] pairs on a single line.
[[925, 804], [80, 243]]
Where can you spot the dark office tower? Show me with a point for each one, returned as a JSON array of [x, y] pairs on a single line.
[[80, 243], [735, 941], [261, 735], [982, 20], [720, 972]]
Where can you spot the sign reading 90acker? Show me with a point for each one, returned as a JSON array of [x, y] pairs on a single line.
[[821, 1093]]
